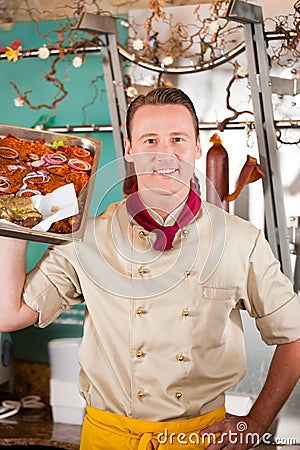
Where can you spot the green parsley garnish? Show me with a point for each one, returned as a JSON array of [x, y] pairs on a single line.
[[56, 144]]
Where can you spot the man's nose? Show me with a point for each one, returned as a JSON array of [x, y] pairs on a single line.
[[166, 149], [165, 156]]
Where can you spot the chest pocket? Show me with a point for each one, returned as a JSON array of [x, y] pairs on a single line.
[[218, 294], [215, 312]]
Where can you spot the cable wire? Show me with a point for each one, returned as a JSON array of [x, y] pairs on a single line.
[[9, 408]]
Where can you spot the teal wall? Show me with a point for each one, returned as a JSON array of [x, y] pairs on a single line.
[[83, 85]]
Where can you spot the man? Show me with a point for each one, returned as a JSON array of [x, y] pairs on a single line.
[[163, 275]]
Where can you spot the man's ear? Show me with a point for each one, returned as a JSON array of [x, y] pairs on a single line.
[[127, 150], [198, 148]]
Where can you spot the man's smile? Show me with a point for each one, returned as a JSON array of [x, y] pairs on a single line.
[[165, 171]]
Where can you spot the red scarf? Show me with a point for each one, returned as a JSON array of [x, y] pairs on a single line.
[[165, 235]]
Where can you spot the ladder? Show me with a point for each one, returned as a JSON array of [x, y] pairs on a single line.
[[106, 28], [261, 92]]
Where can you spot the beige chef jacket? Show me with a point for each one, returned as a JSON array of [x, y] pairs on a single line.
[[163, 337]]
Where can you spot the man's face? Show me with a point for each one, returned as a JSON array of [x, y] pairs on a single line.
[[163, 148]]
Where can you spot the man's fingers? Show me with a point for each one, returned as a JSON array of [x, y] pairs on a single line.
[[228, 434], [215, 428]]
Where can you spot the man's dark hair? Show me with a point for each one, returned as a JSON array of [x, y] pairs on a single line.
[[161, 96]]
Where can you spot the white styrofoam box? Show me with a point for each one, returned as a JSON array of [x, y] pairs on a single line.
[[63, 357], [61, 414], [66, 403], [238, 404]]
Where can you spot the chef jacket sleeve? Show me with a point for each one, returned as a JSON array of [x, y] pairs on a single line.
[[52, 287], [270, 297]]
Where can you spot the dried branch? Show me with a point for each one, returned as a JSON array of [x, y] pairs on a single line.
[[236, 114], [199, 43], [50, 77]]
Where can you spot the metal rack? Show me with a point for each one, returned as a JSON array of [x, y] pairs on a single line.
[[106, 28], [261, 92], [208, 126]]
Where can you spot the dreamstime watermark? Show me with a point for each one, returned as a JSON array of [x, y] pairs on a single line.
[[240, 436]]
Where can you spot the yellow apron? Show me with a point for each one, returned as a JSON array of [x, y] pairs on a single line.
[[107, 431]]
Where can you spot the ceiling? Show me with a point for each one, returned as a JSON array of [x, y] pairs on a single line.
[[19, 8]]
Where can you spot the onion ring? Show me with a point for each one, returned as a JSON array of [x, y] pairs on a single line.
[[38, 174], [33, 156], [81, 152], [77, 164], [16, 167], [55, 158], [37, 163], [25, 190], [14, 152], [4, 183]]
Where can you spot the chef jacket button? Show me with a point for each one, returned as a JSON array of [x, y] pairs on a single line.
[[185, 232], [141, 394], [139, 354], [185, 312], [139, 311], [187, 273], [178, 395], [142, 234], [180, 357], [141, 271]]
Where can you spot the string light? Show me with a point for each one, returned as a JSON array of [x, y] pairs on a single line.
[[43, 52]]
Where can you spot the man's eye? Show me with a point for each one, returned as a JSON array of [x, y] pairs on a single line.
[[178, 139], [151, 141]]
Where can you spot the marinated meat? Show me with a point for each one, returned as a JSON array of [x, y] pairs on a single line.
[[19, 210]]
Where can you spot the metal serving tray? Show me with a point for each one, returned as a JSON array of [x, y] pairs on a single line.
[[84, 198]]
